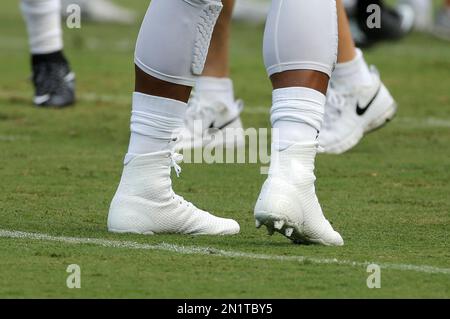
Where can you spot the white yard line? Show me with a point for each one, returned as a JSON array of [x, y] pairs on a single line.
[[209, 251], [13, 138]]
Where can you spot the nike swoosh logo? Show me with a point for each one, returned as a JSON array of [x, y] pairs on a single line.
[[361, 110], [226, 124], [41, 99]]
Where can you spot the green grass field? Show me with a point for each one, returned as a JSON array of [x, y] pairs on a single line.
[[389, 197]]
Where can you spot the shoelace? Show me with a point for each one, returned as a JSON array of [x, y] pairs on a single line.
[[176, 158]]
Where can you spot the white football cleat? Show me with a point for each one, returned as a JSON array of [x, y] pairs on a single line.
[[212, 124], [288, 203], [146, 204], [352, 112]]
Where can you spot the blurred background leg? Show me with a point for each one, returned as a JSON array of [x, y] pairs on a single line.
[[54, 82]]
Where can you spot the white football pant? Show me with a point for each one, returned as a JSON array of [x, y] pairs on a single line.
[[174, 38], [43, 20]]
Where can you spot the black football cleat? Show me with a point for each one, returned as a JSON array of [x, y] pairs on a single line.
[[53, 81]]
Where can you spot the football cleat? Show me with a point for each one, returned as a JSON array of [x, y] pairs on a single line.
[[352, 112], [288, 203], [212, 124], [54, 84], [278, 224], [289, 231], [146, 204]]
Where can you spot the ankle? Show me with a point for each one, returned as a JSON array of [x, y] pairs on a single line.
[[353, 73], [297, 116], [54, 57], [155, 124]]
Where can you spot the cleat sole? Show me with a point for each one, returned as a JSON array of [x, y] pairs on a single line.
[[290, 229]]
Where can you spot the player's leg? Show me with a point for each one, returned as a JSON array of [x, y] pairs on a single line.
[[442, 24], [169, 54], [53, 80], [213, 108], [217, 62], [346, 46], [358, 102], [300, 47]]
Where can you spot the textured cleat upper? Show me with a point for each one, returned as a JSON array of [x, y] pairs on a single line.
[[146, 204], [288, 203], [54, 84]]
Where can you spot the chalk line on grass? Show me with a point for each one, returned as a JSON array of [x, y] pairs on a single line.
[[199, 250]]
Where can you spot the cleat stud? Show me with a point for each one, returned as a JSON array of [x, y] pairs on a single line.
[[289, 232], [279, 224], [270, 231], [258, 224]]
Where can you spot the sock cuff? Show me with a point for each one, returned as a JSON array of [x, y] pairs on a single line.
[[358, 57], [298, 105], [348, 67], [156, 104], [57, 56], [298, 93]]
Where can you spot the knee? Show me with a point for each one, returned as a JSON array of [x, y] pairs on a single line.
[[175, 50]]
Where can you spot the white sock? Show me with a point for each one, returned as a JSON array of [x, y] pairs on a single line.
[[217, 89], [43, 19], [296, 115], [155, 123], [352, 73]]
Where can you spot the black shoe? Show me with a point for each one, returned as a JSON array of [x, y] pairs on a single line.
[[53, 80]]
